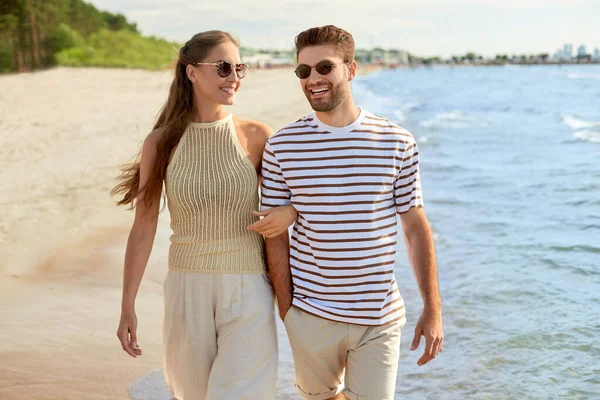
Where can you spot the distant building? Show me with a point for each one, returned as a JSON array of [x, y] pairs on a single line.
[[564, 54], [362, 56], [596, 54], [378, 56], [568, 50], [582, 55], [269, 60], [259, 60], [396, 57]]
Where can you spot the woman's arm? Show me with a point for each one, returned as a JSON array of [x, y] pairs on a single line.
[[275, 221], [137, 253]]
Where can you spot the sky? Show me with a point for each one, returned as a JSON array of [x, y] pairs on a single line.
[[423, 27]]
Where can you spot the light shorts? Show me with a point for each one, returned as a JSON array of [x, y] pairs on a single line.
[[332, 357]]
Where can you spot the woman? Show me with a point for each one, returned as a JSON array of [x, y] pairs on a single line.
[[219, 331]]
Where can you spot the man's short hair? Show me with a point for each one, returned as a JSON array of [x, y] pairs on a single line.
[[341, 39]]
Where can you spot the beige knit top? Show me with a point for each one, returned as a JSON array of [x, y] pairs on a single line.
[[212, 189]]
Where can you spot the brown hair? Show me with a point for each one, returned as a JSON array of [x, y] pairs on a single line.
[[174, 117], [327, 35]]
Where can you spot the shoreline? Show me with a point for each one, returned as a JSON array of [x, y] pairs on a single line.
[[361, 67]]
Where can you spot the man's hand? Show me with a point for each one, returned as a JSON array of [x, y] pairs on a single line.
[[284, 309], [430, 326], [278, 261]]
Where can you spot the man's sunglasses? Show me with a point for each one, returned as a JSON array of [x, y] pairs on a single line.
[[324, 67], [225, 68]]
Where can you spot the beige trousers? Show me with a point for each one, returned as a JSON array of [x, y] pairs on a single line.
[[335, 357], [220, 340]]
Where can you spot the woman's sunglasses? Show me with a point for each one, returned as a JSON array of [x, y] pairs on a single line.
[[324, 67], [225, 68]]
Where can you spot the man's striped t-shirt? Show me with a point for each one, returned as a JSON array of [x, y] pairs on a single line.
[[347, 184]]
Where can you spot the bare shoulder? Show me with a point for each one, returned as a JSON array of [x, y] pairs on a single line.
[[150, 145], [256, 132], [153, 137]]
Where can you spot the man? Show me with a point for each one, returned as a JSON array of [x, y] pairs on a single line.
[[348, 173]]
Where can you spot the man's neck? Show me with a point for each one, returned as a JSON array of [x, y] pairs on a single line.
[[343, 115]]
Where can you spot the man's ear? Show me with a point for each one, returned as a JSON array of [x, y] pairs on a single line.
[[352, 68], [191, 73]]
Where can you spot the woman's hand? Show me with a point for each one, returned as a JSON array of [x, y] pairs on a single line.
[[275, 221], [127, 333]]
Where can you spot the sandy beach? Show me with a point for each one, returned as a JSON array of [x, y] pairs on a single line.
[[63, 134]]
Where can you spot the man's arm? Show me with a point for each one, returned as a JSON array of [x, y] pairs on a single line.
[[275, 193], [421, 253], [278, 261]]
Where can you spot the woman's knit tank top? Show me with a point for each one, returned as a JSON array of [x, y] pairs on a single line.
[[212, 189]]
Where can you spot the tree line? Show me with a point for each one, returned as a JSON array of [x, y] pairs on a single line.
[[38, 34]]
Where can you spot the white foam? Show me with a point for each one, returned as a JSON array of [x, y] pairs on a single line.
[[399, 117], [387, 106], [150, 387], [426, 139], [583, 76], [588, 136], [454, 119], [576, 123]]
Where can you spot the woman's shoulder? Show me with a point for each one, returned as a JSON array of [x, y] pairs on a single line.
[[256, 131], [150, 144], [154, 136]]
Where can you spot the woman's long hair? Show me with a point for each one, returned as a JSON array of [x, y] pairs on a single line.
[[174, 118]]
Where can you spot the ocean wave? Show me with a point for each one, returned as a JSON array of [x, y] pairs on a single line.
[[427, 140], [579, 248], [532, 111], [454, 168], [413, 106], [588, 136], [577, 123], [447, 201], [586, 227], [385, 106], [399, 117], [453, 120], [573, 75], [396, 109]]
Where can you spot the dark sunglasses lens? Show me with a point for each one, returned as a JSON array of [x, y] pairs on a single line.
[[324, 67], [241, 70], [224, 69], [303, 71]]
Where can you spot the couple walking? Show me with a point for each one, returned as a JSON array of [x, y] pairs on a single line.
[[339, 175]]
